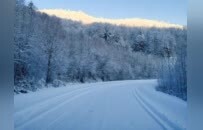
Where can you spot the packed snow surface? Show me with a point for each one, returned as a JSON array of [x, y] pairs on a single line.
[[116, 105]]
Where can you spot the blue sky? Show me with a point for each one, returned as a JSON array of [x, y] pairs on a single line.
[[173, 11]]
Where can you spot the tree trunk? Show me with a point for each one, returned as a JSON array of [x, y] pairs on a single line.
[[48, 75]]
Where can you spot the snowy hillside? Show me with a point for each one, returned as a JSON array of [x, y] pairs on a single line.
[[87, 19], [49, 50], [116, 105]]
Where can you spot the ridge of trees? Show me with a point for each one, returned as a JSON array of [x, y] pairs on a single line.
[[50, 50]]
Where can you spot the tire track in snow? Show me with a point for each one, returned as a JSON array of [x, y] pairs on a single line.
[[157, 116], [34, 111], [50, 98], [50, 124], [46, 109]]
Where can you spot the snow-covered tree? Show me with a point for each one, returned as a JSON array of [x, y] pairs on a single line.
[[48, 49]]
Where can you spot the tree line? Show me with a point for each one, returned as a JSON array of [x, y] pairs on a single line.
[[50, 51]]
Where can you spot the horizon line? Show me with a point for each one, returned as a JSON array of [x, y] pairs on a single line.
[[85, 18]]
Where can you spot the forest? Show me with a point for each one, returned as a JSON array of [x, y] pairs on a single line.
[[49, 52]]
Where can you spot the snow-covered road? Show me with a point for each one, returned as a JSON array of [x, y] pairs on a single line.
[[117, 105]]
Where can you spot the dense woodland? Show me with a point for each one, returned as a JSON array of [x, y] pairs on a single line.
[[50, 51]]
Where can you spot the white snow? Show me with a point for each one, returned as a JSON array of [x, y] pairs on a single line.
[[87, 19], [116, 105]]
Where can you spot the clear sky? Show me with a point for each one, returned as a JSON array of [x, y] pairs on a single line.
[[172, 11]]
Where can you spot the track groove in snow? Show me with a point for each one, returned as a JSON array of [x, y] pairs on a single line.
[[160, 122], [159, 117], [41, 109], [41, 112], [51, 100]]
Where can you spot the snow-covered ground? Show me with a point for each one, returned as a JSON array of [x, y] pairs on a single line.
[[116, 105]]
